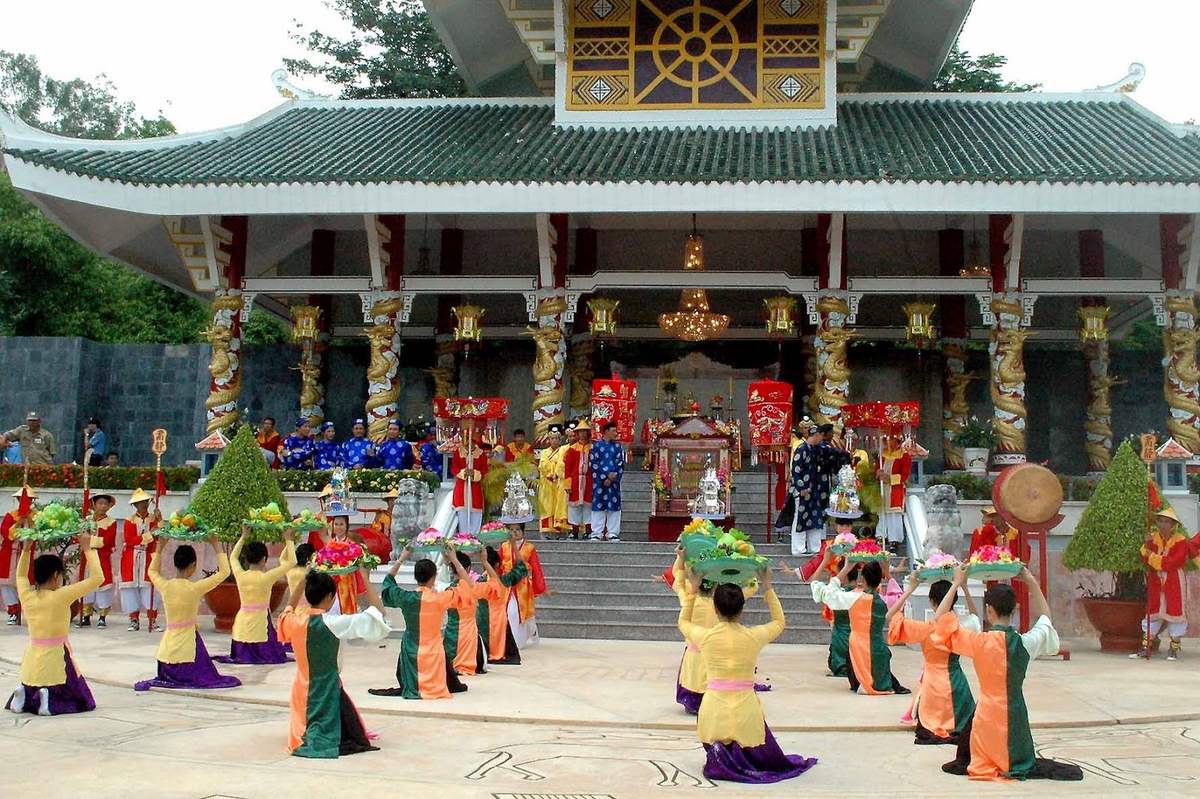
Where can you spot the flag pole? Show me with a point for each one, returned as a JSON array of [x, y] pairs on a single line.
[[158, 445]]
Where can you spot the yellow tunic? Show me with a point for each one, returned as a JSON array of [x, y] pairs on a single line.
[[730, 651], [48, 614], [295, 576], [181, 599], [254, 591], [692, 674], [552, 490]]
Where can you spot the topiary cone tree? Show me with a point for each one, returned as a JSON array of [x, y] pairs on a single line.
[[241, 480], [1111, 532]]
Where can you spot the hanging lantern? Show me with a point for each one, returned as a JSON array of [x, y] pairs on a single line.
[[1095, 323], [693, 253], [304, 322], [468, 327], [919, 327], [781, 316], [604, 316]]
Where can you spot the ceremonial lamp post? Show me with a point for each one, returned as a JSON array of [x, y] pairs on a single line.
[[158, 445]]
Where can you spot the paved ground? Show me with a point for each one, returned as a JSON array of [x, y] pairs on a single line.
[[581, 719]]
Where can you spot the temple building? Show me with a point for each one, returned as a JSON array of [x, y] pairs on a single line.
[[633, 173]]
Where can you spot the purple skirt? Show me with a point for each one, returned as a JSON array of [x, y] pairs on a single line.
[[761, 765], [685, 696], [73, 696], [260, 654], [200, 673]]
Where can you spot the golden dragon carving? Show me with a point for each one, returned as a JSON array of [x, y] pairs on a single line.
[[1181, 378], [224, 365], [581, 374], [1008, 376], [833, 377], [310, 391], [547, 379], [956, 411]]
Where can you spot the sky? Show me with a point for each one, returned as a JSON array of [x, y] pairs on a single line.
[[208, 64]]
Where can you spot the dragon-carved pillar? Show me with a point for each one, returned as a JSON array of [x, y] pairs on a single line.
[[955, 408], [1181, 380], [1097, 425], [831, 342], [1007, 351], [383, 372], [225, 364], [582, 370], [548, 365]]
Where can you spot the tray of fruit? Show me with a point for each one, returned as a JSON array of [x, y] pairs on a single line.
[[184, 525], [53, 523]]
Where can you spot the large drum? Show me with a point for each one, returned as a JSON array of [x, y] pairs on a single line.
[[1029, 497]]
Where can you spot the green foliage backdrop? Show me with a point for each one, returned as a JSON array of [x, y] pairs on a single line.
[[241, 480], [1110, 533]]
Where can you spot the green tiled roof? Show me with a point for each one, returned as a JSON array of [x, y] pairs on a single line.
[[890, 138]]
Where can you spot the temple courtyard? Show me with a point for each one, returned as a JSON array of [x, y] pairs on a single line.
[[581, 718]]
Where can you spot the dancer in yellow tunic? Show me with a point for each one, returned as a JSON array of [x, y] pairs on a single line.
[[50, 684], [552, 490], [737, 741], [183, 660], [254, 641]]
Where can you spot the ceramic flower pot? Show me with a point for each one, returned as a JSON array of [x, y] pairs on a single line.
[[976, 460], [1118, 621], [224, 603]]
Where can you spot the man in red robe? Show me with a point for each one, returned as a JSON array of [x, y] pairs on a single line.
[[269, 441], [518, 448], [470, 511], [576, 463], [104, 540], [138, 545], [1164, 553], [993, 532], [895, 466], [9, 551]]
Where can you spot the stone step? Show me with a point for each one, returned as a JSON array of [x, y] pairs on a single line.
[[636, 613], [595, 554], [578, 569], [665, 548], [622, 590], [652, 631], [600, 601]]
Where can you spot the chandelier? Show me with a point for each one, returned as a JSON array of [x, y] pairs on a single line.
[[694, 320]]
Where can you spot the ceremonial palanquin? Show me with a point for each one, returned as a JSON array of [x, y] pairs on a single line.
[[684, 452]]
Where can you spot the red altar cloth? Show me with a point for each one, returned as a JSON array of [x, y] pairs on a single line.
[[669, 528]]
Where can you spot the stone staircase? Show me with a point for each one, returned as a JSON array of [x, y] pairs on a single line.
[[605, 590]]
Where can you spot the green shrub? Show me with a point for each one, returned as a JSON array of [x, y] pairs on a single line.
[[378, 481], [1111, 531], [975, 433], [968, 486], [68, 475], [241, 480]]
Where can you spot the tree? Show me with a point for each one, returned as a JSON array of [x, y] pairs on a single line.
[[240, 481], [962, 73], [391, 51], [1110, 533]]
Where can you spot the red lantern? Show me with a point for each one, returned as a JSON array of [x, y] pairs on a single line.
[[769, 403]]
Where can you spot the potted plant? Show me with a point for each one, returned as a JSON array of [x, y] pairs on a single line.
[[976, 439], [1108, 540], [241, 480]]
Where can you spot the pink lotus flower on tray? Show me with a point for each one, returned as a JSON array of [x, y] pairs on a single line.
[[867, 546], [845, 538], [430, 536], [491, 527], [940, 560], [992, 554]]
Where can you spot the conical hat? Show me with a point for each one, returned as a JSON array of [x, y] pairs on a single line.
[[1170, 514], [25, 490], [139, 495]]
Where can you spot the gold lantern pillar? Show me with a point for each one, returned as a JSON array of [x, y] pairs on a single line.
[[1181, 380], [549, 365], [1097, 425], [305, 322], [781, 316], [918, 326]]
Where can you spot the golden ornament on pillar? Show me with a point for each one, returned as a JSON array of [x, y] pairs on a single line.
[[918, 328], [693, 253], [304, 322], [781, 316], [603, 321], [1095, 323], [468, 327]]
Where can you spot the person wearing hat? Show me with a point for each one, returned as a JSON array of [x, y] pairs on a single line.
[[808, 519], [1165, 554], [358, 450], [269, 441], [895, 467], [349, 586], [97, 441], [8, 551], [994, 532], [137, 592], [430, 456], [394, 452], [551, 492], [327, 453], [37, 443], [606, 462], [105, 541], [298, 448], [577, 464]]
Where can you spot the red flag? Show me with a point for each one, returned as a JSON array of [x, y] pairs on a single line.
[[87, 501], [160, 484], [26, 503]]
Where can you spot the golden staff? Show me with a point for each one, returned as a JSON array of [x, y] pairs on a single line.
[[87, 458], [158, 445]]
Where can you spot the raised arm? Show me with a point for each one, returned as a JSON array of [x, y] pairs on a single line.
[[93, 580], [960, 579], [156, 578], [766, 633], [691, 632], [235, 557], [23, 586], [287, 558], [393, 593], [910, 586], [216, 578]]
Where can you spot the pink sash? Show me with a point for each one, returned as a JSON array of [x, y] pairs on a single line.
[[730, 685], [60, 641], [181, 625], [254, 608]]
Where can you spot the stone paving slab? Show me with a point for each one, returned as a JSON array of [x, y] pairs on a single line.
[[630, 684]]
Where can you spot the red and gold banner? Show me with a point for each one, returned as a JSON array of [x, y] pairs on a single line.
[[493, 408], [769, 403], [615, 401], [891, 416]]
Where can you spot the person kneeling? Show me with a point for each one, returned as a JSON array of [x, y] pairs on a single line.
[[422, 670], [324, 722], [1000, 747], [183, 660]]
